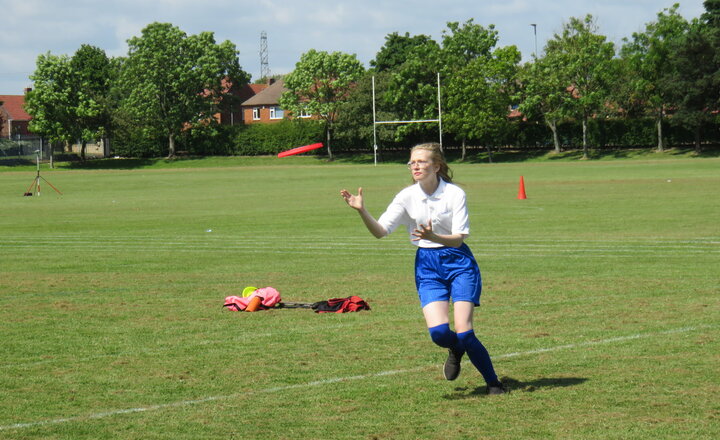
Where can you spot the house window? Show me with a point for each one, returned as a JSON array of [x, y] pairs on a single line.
[[276, 113], [304, 113], [256, 113]]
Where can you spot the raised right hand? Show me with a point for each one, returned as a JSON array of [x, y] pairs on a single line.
[[353, 201]]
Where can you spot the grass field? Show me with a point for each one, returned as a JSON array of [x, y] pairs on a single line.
[[600, 304]]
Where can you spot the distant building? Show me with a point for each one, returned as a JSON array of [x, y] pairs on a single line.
[[232, 112], [14, 119], [265, 106]]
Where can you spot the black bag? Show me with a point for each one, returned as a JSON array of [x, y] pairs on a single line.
[[341, 305]]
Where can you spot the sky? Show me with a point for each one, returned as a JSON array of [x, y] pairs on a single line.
[[34, 27]]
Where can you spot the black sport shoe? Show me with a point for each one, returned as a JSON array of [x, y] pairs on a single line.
[[452, 364], [498, 388]]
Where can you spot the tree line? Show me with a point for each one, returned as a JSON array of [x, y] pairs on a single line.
[[167, 85], [581, 87]]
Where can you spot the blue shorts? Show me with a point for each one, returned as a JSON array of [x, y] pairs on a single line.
[[447, 272]]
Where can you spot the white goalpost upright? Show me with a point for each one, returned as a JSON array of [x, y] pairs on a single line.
[[416, 121]]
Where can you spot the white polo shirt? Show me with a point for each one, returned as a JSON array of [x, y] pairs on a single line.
[[446, 208]]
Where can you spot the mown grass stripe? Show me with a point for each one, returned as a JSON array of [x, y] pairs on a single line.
[[105, 414]]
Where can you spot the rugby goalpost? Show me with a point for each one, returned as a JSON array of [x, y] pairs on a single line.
[[417, 121]]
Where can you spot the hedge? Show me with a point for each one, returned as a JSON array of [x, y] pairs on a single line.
[[607, 133], [270, 139], [263, 139]]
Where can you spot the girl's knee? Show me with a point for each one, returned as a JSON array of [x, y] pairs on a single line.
[[443, 336], [467, 337]]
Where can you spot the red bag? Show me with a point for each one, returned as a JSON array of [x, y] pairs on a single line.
[[341, 305]]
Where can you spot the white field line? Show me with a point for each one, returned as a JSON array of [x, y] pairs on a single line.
[[182, 403], [311, 248], [602, 341], [308, 241], [478, 255], [335, 251], [359, 239], [344, 246], [221, 241], [340, 245], [352, 248]]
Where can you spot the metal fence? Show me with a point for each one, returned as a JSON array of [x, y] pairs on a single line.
[[25, 148]]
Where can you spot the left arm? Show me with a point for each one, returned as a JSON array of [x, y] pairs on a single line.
[[425, 232]]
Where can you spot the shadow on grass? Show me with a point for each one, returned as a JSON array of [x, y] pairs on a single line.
[[109, 164], [515, 385], [388, 157], [452, 156], [16, 162], [476, 156], [706, 152], [503, 156], [393, 157]]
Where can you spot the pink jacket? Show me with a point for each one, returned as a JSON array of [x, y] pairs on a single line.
[[270, 296]]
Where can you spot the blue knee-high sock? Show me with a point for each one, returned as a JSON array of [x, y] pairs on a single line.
[[478, 355], [443, 336]]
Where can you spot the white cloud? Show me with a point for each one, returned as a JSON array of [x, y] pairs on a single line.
[[123, 29], [334, 16], [274, 13]]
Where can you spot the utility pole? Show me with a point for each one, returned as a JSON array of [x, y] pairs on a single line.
[[534, 25], [264, 66]]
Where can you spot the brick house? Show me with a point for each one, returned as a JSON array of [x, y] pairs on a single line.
[[264, 107], [14, 119], [232, 112]]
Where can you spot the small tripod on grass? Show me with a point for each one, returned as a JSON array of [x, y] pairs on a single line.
[[36, 180]]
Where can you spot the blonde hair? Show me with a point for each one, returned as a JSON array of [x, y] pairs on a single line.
[[437, 156]]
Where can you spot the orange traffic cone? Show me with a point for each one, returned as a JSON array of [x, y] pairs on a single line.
[[521, 190], [254, 304]]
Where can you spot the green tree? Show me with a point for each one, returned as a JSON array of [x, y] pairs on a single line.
[[92, 75], [355, 117], [396, 50], [69, 100], [692, 82], [51, 101], [543, 95], [586, 63], [354, 125], [479, 83], [647, 58], [355, 122], [712, 21], [170, 80], [319, 85], [412, 90]]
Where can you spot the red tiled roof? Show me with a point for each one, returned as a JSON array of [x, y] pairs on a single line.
[[14, 105], [269, 96], [245, 92], [250, 90], [257, 88]]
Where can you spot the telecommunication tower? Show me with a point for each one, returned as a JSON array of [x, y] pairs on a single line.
[[264, 66]]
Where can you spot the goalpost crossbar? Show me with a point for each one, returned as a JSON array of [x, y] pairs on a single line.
[[376, 122], [407, 122]]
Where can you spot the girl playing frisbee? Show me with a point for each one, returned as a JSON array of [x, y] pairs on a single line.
[[435, 214]]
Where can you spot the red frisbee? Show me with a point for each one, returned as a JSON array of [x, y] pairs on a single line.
[[299, 150]]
